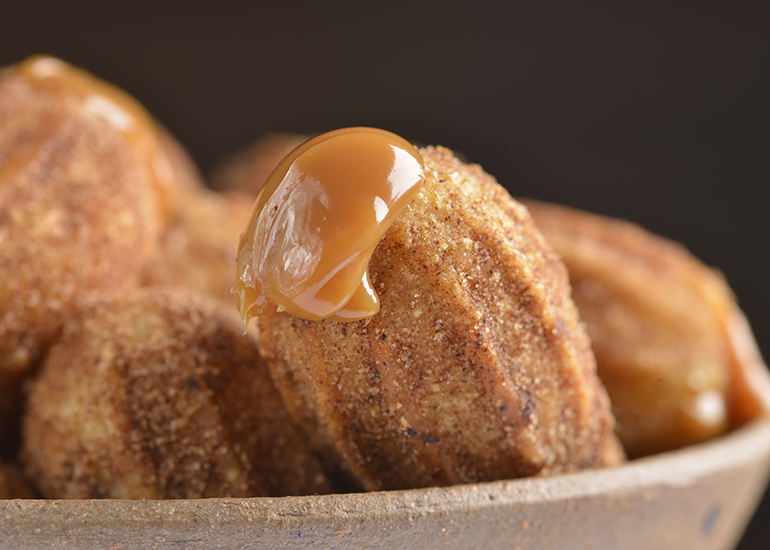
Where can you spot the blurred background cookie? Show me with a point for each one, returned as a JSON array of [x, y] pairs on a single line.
[[83, 200], [198, 249], [247, 170], [658, 322]]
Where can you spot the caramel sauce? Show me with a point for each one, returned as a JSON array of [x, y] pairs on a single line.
[[95, 97], [317, 222]]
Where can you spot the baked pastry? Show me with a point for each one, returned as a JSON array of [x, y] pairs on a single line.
[[476, 366], [13, 484], [247, 170], [658, 321], [156, 394], [186, 177], [199, 248], [83, 199]]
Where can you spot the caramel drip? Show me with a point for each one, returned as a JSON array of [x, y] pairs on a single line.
[[95, 97], [317, 221]]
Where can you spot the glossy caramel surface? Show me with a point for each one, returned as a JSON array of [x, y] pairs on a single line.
[[317, 221]]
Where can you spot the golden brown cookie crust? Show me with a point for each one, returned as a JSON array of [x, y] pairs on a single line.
[[658, 321], [80, 210], [157, 394], [198, 251], [477, 366]]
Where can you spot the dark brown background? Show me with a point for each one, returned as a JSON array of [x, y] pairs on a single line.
[[655, 113]]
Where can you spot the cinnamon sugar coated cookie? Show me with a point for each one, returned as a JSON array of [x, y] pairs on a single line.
[[658, 321], [83, 182], [158, 394], [476, 367]]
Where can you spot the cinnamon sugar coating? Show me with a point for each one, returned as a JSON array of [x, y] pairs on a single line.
[[658, 322], [157, 394], [198, 251], [476, 368], [80, 210]]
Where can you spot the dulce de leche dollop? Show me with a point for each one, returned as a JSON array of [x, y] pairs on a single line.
[[317, 222]]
